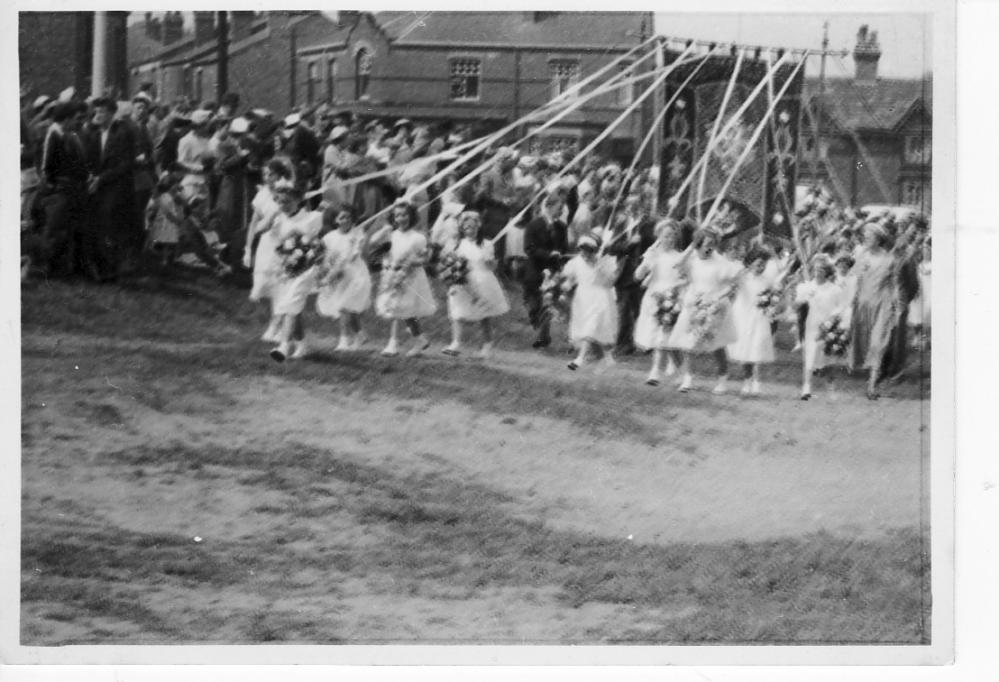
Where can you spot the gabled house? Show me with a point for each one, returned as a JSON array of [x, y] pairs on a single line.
[[876, 133]]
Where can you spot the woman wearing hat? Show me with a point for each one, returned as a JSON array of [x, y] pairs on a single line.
[[405, 293], [482, 298], [291, 293], [877, 302], [193, 155], [593, 314], [705, 324]]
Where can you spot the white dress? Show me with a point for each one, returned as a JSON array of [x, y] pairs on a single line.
[[755, 341], [483, 296], [709, 278], [663, 276], [350, 290], [291, 293], [412, 298], [824, 300], [593, 314], [919, 307], [266, 265]]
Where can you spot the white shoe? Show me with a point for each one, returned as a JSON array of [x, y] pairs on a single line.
[[345, 343], [686, 383], [420, 344], [300, 351], [721, 387], [806, 391], [280, 353], [754, 388], [670, 368], [391, 350], [747, 388], [271, 334], [486, 352]]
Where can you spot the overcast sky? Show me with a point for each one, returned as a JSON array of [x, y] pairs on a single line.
[[904, 53]]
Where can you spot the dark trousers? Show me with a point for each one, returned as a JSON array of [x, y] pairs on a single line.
[[105, 234], [55, 249], [534, 303], [629, 302]]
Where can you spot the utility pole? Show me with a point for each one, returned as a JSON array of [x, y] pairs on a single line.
[[99, 70], [222, 70]]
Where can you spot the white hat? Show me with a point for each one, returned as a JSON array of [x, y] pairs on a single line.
[[260, 113], [292, 120], [588, 240], [339, 132], [200, 116], [41, 101], [239, 125], [144, 96], [67, 94]]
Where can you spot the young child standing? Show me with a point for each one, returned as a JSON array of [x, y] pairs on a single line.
[[482, 298], [593, 314], [754, 344], [663, 282], [345, 286], [264, 260], [165, 218], [825, 299]]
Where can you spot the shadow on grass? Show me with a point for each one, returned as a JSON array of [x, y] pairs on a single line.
[[439, 536]]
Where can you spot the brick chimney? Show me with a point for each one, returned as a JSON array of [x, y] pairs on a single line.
[[866, 55], [240, 24], [347, 18], [154, 29], [173, 28], [204, 27]]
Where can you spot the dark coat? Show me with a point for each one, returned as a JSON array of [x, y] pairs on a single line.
[[114, 165], [541, 238], [63, 165]]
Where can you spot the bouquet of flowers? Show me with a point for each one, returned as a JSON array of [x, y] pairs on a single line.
[[452, 268], [667, 308], [298, 253], [705, 316], [769, 301], [556, 290], [395, 274], [834, 337]]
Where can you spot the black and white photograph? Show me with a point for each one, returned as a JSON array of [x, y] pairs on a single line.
[[499, 328]]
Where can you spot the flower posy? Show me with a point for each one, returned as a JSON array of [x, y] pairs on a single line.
[[667, 308], [299, 253], [834, 337], [768, 301], [704, 318], [453, 269]]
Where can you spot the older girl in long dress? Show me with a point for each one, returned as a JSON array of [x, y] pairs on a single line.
[[345, 286], [663, 278], [826, 298], [265, 263], [482, 298], [593, 313], [405, 293], [705, 324], [292, 292], [754, 344], [877, 301]]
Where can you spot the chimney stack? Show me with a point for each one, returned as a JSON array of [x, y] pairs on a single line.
[[204, 27], [173, 27], [866, 55]]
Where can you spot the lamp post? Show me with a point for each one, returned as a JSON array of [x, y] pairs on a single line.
[[99, 69]]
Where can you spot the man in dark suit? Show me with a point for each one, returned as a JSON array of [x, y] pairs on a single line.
[[632, 234], [545, 242], [109, 145], [64, 178], [145, 171]]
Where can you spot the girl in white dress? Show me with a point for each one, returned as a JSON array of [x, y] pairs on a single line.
[[754, 344], [658, 270], [289, 294], [345, 286], [264, 261], [705, 324], [482, 298], [593, 313], [404, 288], [825, 298]]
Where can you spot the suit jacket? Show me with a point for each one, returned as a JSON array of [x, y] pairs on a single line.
[[113, 165], [63, 166], [145, 171], [629, 252], [540, 239]]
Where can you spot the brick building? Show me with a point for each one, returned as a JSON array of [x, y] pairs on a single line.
[[485, 68], [55, 51], [876, 133]]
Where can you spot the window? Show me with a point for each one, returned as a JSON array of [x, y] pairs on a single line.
[[311, 78], [362, 73], [465, 75], [565, 74], [912, 193], [918, 149], [626, 93], [330, 79]]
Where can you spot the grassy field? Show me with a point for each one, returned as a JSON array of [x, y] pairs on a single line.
[[180, 487]]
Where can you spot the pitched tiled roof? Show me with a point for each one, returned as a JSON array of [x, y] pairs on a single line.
[[607, 29], [875, 105], [142, 48]]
